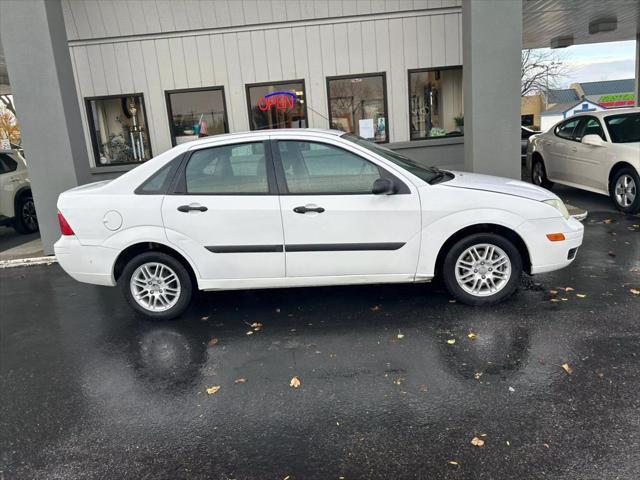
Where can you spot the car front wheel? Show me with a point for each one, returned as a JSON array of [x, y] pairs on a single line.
[[624, 190], [156, 285], [26, 220], [482, 269]]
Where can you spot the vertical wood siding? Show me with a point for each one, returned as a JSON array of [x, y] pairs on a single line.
[[232, 59]]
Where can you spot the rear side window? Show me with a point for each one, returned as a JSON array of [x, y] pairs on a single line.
[[7, 164], [229, 169], [624, 128], [158, 183], [565, 130], [316, 168]]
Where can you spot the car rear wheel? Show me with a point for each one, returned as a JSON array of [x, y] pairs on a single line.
[[624, 189], [539, 174], [156, 285], [482, 269], [26, 220]]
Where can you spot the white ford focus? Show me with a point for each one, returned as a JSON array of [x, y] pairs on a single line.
[[595, 151], [299, 208]]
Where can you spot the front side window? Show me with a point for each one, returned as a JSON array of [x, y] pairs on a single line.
[[436, 107], [565, 130], [624, 128], [277, 105], [358, 104], [318, 168], [118, 127], [589, 126], [229, 169], [196, 113]]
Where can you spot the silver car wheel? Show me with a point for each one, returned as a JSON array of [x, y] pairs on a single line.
[[483, 270], [625, 190], [155, 287], [538, 173]]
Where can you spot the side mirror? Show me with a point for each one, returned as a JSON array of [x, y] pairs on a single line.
[[383, 186], [593, 140]]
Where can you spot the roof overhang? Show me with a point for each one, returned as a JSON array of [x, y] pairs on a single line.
[[561, 23]]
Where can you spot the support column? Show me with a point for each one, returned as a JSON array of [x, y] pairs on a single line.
[[492, 49], [39, 66], [638, 70]]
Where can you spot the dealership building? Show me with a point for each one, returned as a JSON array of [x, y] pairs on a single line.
[[101, 86]]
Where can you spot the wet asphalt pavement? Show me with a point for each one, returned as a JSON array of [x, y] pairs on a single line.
[[89, 391]]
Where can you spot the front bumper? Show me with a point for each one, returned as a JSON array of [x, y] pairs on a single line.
[[545, 255], [86, 263]]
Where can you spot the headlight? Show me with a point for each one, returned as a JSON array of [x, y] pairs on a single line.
[[558, 205]]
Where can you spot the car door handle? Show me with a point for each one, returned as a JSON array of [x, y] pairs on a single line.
[[193, 206], [303, 209]]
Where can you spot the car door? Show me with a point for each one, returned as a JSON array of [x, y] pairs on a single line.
[[558, 145], [225, 213], [585, 162], [334, 226]]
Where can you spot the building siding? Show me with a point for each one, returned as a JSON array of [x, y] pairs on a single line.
[[153, 46]]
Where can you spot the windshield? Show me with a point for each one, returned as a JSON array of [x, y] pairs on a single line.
[[424, 173], [624, 128]]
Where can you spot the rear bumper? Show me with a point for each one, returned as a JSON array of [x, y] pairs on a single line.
[[545, 255], [86, 263]]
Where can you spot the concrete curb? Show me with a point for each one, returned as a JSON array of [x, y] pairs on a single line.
[[27, 262]]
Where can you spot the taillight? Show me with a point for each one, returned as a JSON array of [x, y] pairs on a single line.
[[65, 228]]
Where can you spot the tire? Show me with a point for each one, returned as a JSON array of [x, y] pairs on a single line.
[[166, 300], [539, 174], [460, 278], [26, 220], [624, 190]]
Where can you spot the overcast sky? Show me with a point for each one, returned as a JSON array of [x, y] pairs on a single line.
[[600, 61]]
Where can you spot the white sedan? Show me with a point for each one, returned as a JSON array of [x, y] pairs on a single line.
[[595, 151], [300, 208]]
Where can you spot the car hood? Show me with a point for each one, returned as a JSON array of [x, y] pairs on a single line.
[[507, 186]]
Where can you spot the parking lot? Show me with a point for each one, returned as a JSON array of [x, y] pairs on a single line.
[[396, 381]]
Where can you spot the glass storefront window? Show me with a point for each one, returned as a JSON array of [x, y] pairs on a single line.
[[358, 104], [196, 113], [118, 127], [277, 105], [436, 106]]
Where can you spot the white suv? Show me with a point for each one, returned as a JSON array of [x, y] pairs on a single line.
[[301, 208], [16, 202]]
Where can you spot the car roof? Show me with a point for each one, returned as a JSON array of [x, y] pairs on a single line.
[[279, 132], [610, 111]]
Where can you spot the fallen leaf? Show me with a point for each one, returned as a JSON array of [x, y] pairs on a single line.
[[635, 291], [212, 390], [239, 380], [607, 221], [511, 389], [256, 325], [398, 381], [508, 443], [375, 308], [451, 341], [295, 382], [555, 300], [553, 292], [477, 375], [567, 368], [569, 289], [471, 335], [205, 318], [546, 445], [580, 295], [452, 462], [286, 478], [250, 332], [213, 341], [400, 336], [477, 442]]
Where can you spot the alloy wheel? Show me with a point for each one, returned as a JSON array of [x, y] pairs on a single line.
[[28, 214], [625, 190], [155, 286], [483, 270]]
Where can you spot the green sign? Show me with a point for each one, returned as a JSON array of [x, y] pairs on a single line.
[[618, 97]]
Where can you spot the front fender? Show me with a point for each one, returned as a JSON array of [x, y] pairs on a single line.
[[435, 234]]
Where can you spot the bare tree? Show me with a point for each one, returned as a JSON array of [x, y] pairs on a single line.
[[8, 103], [542, 70]]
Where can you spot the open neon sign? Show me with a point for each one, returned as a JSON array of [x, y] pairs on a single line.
[[280, 100]]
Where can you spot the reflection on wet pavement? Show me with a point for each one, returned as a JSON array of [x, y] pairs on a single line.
[[89, 391]]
